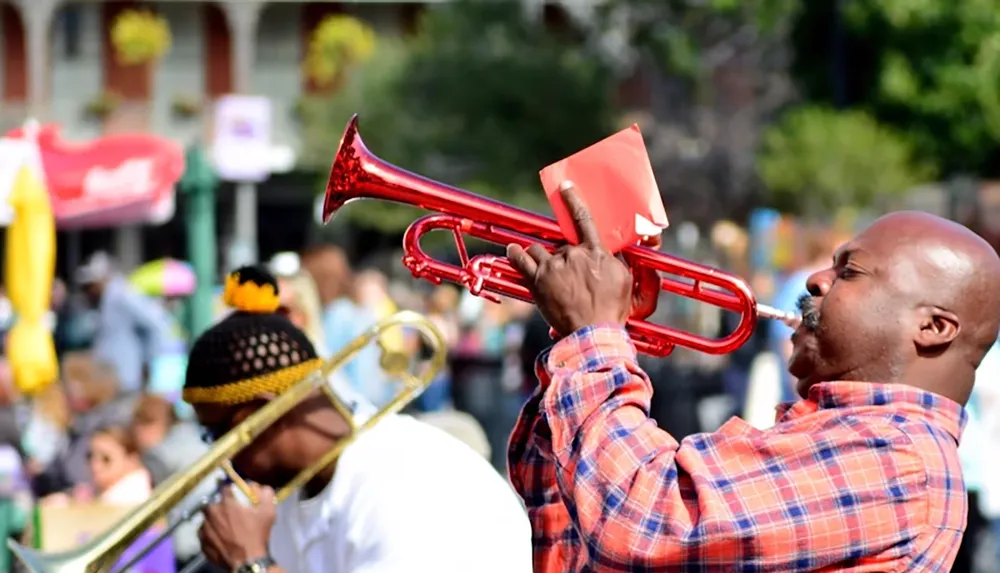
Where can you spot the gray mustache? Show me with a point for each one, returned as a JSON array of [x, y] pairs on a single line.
[[809, 312]]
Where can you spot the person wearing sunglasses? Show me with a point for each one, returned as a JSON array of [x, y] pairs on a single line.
[[118, 476], [403, 497]]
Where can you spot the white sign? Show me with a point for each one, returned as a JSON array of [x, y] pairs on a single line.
[[134, 177], [242, 139]]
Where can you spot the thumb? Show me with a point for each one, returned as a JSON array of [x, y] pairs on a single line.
[[266, 495]]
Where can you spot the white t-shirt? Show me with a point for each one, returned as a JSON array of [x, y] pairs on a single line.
[[406, 498]]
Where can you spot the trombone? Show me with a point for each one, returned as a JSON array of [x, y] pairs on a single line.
[[101, 554]]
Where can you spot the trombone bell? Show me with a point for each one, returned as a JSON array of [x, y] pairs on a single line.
[[72, 561]]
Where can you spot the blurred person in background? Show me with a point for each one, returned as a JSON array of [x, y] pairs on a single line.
[[970, 451], [169, 446], [478, 364], [95, 402], [441, 306], [372, 289], [15, 491], [131, 330], [46, 434], [344, 319], [58, 314], [980, 462], [300, 300], [10, 427], [372, 292], [732, 243], [536, 339], [117, 474]]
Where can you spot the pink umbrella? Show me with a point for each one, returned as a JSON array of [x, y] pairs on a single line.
[[164, 277]]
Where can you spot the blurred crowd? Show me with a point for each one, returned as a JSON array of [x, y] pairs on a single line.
[[114, 426]]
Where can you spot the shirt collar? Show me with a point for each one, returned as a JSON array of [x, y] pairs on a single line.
[[541, 368], [942, 412]]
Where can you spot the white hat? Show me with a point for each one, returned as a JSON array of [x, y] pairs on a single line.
[[97, 268], [285, 264]]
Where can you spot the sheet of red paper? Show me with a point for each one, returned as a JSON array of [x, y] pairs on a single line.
[[615, 179]]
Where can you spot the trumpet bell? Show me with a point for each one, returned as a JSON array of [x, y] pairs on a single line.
[[338, 188]]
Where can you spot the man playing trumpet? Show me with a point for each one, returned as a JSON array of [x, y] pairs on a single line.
[[404, 497], [862, 474]]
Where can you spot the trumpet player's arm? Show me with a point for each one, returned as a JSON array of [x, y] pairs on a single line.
[[532, 472], [639, 500]]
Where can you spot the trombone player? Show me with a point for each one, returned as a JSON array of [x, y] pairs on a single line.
[[404, 497]]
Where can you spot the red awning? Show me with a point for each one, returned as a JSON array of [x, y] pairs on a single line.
[[109, 181]]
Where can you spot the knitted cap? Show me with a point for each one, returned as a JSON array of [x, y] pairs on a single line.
[[254, 350]]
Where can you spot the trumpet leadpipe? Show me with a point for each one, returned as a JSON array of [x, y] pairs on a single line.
[[789, 318]]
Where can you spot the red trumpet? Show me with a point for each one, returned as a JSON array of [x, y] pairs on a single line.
[[358, 174]]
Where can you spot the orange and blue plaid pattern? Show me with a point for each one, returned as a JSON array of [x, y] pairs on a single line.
[[858, 477]]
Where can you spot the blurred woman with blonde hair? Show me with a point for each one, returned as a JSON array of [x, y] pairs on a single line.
[[47, 432], [371, 289], [300, 302], [300, 297]]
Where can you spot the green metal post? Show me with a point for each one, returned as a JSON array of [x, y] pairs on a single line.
[[198, 184]]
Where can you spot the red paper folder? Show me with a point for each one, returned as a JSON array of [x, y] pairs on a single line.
[[615, 179]]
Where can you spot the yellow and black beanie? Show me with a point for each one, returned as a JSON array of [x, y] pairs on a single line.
[[252, 351]]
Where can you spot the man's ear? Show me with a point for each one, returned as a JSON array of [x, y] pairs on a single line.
[[938, 327]]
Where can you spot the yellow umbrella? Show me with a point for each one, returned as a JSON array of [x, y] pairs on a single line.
[[30, 265]]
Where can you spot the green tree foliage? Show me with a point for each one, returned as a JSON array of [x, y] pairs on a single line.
[[691, 38], [372, 92], [717, 71], [481, 97], [817, 161], [503, 96], [928, 68]]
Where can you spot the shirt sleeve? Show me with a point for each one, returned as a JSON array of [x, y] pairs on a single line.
[[640, 500], [532, 471], [148, 319]]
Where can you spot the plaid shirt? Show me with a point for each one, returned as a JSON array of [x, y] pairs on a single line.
[[858, 477]]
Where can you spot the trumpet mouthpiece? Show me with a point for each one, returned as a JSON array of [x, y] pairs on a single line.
[[789, 318]]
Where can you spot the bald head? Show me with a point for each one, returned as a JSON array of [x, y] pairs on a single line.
[[940, 263], [912, 299]]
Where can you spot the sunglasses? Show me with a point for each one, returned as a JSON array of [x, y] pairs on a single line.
[[103, 458]]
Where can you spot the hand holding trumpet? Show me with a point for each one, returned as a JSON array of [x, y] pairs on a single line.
[[577, 285]]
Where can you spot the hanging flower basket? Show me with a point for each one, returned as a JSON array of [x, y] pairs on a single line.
[[140, 37], [185, 106], [338, 43], [103, 105]]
